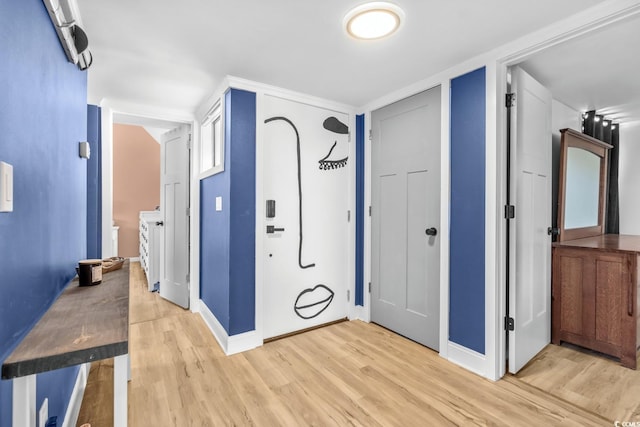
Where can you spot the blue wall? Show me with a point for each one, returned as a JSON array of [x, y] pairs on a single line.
[[360, 211], [94, 183], [227, 238], [43, 116], [467, 251]]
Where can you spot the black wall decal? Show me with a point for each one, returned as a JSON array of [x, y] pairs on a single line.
[[303, 266], [313, 301], [332, 164], [336, 126]]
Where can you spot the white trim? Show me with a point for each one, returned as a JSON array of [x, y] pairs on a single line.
[[366, 273], [109, 107], [492, 219], [217, 111], [259, 222], [230, 344], [214, 326], [134, 259], [445, 198], [73, 409], [243, 342], [24, 401], [466, 358], [120, 390]]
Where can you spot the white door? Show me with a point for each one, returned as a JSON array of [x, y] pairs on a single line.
[[174, 204], [530, 244], [405, 200], [306, 180]]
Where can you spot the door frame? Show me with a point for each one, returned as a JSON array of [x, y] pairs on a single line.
[[111, 108], [261, 91], [570, 28]]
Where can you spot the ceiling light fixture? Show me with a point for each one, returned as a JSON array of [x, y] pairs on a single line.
[[373, 20]]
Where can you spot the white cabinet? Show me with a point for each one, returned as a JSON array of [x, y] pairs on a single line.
[[150, 246]]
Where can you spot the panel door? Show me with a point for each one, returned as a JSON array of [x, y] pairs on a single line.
[[174, 204], [406, 217], [530, 246]]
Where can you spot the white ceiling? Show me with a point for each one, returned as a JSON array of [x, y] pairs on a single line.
[[597, 71], [173, 54]]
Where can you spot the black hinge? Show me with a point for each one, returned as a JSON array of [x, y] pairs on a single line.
[[509, 324], [369, 287], [509, 211], [510, 100]]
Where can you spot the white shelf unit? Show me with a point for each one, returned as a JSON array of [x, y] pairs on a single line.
[[150, 246]]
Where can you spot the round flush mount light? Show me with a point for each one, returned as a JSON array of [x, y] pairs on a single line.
[[374, 20]]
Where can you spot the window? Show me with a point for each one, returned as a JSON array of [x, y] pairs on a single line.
[[212, 142]]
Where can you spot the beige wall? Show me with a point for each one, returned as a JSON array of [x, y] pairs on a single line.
[[136, 182]]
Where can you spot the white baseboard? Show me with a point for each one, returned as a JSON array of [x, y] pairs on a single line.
[[73, 410], [358, 312], [466, 358], [134, 259], [230, 344]]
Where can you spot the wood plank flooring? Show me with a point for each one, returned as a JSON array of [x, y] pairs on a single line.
[[588, 379], [351, 373]]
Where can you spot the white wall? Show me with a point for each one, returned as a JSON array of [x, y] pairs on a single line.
[[562, 116], [629, 178]]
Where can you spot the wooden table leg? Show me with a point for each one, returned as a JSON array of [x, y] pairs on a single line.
[[120, 404], [24, 401]]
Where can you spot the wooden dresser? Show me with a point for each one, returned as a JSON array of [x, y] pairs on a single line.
[[595, 295]]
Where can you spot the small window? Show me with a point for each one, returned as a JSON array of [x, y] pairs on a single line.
[[212, 143]]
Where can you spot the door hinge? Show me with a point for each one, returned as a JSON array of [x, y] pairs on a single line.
[[190, 143], [369, 210], [369, 287], [510, 100], [348, 295], [188, 211], [509, 324], [349, 216], [187, 278], [509, 211], [349, 138], [370, 134]]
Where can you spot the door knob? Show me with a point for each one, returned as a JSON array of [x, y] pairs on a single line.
[[160, 223], [431, 231], [272, 229]]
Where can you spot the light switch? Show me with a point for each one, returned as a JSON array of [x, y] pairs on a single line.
[[6, 187], [218, 203]]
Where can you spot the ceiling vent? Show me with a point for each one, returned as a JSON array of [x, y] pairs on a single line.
[[66, 19]]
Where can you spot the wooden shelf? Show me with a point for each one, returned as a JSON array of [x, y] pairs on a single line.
[[84, 324]]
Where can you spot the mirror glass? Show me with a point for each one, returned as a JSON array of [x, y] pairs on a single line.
[[582, 188]]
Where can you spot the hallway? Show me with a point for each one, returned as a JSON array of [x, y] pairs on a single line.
[[351, 373]]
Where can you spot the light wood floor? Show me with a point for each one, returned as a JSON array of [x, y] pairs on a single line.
[[351, 373], [587, 379]]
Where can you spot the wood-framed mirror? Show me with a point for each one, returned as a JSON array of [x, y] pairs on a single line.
[[582, 182]]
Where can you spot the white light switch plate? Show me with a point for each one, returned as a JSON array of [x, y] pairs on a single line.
[[6, 187], [219, 203]]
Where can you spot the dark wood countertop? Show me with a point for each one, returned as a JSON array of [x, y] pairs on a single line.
[[84, 324], [605, 242]]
